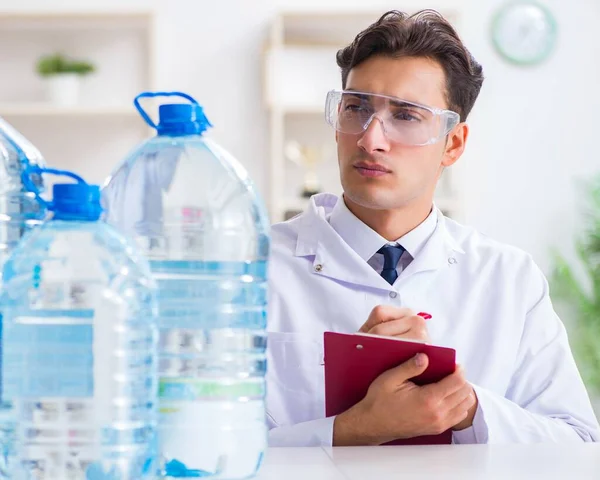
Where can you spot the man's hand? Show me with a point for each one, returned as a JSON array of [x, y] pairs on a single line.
[[396, 408], [396, 322], [468, 422]]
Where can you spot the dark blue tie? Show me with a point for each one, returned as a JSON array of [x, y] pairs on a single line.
[[391, 256]]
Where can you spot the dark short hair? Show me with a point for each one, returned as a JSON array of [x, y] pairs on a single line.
[[424, 34]]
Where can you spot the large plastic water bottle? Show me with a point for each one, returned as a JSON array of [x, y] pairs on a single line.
[[79, 351], [199, 219], [19, 209], [19, 212]]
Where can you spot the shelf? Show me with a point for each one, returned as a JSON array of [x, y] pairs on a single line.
[[316, 110], [99, 130], [74, 20], [330, 28], [113, 41], [300, 77], [46, 110], [324, 28]]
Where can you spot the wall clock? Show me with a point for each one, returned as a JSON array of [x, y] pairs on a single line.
[[524, 32]]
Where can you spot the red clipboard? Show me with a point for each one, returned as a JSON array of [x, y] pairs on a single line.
[[353, 361]]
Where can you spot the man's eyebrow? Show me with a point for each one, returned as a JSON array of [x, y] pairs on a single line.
[[356, 93], [402, 103], [398, 103]]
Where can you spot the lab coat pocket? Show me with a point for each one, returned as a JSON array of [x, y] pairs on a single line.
[[295, 379]]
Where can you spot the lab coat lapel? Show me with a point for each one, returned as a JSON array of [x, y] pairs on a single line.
[[333, 257], [440, 251]]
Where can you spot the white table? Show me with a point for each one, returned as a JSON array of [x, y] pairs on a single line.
[[439, 462]]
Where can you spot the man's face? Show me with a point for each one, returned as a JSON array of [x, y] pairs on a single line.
[[411, 171]]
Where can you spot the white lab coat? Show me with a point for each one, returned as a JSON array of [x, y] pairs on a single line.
[[489, 301]]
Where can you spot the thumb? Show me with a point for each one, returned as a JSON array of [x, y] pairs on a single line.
[[407, 370]]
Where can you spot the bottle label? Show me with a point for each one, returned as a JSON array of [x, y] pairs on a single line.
[[35, 349], [191, 389]]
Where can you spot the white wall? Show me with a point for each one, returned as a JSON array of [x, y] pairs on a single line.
[[534, 130]]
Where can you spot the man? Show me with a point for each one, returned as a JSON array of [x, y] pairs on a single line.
[[369, 260]]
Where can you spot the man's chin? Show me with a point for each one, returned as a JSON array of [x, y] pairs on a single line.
[[368, 199]]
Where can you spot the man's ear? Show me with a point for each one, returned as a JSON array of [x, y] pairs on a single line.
[[455, 144]]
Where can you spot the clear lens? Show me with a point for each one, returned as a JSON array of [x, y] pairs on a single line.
[[403, 122]]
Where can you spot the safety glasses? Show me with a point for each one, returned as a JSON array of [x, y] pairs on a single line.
[[403, 122]]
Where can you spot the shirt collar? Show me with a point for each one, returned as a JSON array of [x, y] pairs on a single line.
[[366, 241]]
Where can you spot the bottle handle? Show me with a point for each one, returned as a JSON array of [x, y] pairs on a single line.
[[37, 170], [145, 115]]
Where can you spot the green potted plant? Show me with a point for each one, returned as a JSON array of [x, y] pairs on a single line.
[[577, 293], [62, 76]]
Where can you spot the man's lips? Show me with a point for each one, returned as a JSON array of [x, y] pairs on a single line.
[[371, 169]]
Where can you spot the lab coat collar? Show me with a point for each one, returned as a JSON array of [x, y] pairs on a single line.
[[366, 242], [334, 258]]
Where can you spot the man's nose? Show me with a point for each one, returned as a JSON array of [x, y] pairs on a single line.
[[374, 138]]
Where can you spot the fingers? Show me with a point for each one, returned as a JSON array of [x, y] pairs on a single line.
[[458, 397], [461, 411], [393, 378], [412, 327], [384, 313], [447, 386], [454, 409]]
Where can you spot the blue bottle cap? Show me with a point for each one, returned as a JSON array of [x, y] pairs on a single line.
[[76, 201], [177, 119]]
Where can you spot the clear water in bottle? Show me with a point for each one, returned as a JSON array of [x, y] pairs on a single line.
[[200, 221], [19, 209], [79, 352], [19, 212]]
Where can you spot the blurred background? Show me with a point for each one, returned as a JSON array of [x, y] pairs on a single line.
[[261, 70]]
